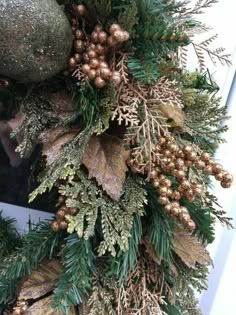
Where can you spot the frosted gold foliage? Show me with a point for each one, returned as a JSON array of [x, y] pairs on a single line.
[[53, 140], [141, 293], [43, 307], [190, 249], [105, 159], [40, 281], [93, 205]]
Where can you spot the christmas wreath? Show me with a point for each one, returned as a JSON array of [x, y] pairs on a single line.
[[127, 138]]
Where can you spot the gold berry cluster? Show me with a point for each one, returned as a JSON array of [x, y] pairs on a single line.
[[175, 161], [60, 222], [92, 51], [20, 308]]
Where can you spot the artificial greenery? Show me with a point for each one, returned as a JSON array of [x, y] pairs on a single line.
[[106, 152]]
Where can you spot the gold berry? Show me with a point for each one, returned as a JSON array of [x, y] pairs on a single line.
[[116, 78], [100, 82], [80, 10], [208, 170], [94, 37], [79, 34], [200, 164], [102, 37], [94, 63], [205, 157], [55, 226], [114, 28], [63, 225], [226, 184], [187, 149], [86, 68], [163, 200], [92, 74], [92, 53], [119, 36], [228, 178]]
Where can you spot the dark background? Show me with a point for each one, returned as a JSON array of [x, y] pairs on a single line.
[[17, 182]]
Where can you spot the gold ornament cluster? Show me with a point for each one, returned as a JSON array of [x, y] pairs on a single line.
[[60, 222], [93, 51], [176, 161]]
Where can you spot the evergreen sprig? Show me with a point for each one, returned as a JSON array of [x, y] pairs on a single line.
[[38, 244], [78, 261], [10, 239]]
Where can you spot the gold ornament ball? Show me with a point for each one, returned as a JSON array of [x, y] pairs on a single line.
[[153, 173], [105, 73], [126, 35], [171, 166], [119, 36], [63, 225], [156, 183], [179, 164], [187, 149], [79, 34], [72, 62], [228, 178], [219, 176], [208, 169], [100, 83], [79, 46], [114, 28], [92, 74], [103, 64], [163, 200], [226, 184], [217, 168], [176, 195], [78, 57], [191, 225], [116, 78], [94, 63], [92, 53], [200, 164], [192, 156], [100, 49], [168, 208], [179, 174], [80, 10], [185, 184], [173, 147], [86, 57], [61, 213], [175, 211], [162, 141], [55, 226], [102, 37], [86, 68], [184, 210], [205, 157], [163, 191], [94, 37], [167, 153]]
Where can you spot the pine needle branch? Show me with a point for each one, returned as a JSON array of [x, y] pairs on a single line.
[[38, 244]]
